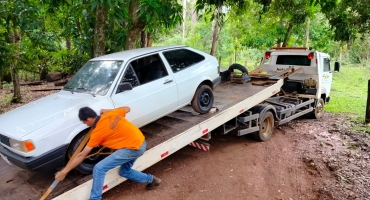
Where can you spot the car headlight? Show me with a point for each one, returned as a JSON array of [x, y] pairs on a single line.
[[25, 146]]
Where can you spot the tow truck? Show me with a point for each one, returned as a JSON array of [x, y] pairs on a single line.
[[289, 83]]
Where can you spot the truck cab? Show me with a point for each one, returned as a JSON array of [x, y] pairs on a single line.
[[315, 76]]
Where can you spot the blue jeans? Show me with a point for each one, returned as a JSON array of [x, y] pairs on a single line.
[[124, 157]]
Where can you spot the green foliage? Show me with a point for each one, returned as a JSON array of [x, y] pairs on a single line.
[[349, 90], [7, 86]]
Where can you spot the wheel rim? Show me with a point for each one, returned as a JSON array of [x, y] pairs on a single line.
[[93, 159], [319, 108], [266, 126], [205, 99]]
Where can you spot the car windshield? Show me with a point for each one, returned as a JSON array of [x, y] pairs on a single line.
[[95, 77]]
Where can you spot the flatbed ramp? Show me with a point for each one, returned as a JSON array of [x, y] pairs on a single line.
[[169, 134]]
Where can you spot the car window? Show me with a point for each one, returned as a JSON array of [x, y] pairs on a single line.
[[326, 65], [293, 60], [182, 58], [95, 77], [144, 70], [130, 77]]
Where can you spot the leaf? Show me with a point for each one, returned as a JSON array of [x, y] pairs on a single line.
[[352, 147]]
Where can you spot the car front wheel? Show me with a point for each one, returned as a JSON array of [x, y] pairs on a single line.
[[87, 165], [203, 99]]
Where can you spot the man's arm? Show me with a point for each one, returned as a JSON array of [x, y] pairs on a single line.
[[127, 110], [71, 165]]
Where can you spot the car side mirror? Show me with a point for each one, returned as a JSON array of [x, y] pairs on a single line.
[[336, 66], [124, 87]]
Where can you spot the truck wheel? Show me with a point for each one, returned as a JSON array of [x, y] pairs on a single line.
[[238, 67], [319, 109], [203, 99], [87, 166], [266, 127]]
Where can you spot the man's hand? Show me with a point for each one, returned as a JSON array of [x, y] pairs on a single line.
[[60, 175], [102, 111]]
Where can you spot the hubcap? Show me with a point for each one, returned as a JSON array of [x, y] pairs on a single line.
[[319, 108], [266, 126], [205, 99]]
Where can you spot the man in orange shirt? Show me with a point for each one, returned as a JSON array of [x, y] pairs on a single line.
[[113, 131]]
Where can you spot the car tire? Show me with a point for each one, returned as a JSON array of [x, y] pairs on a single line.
[[87, 165], [318, 111], [237, 67], [266, 127], [203, 99]]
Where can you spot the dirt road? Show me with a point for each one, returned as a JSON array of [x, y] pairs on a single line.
[[304, 159]]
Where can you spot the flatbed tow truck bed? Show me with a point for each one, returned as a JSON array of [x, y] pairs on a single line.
[[164, 137]]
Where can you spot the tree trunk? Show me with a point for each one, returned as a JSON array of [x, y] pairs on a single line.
[[43, 73], [307, 32], [1, 82], [287, 35], [17, 97], [137, 26], [184, 20], [215, 29], [143, 39], [68, 44], [99, 31], [149, 40], [193, 13], [367, 116]]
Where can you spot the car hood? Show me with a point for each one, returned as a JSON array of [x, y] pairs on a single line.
[[45, 111]]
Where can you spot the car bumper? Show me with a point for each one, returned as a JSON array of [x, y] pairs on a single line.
[[216, 81], [48, 161]]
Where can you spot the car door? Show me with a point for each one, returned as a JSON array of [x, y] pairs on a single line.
[[327, 75], [188, 70], [154, 92]]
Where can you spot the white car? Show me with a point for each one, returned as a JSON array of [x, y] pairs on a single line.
[[153, 82]]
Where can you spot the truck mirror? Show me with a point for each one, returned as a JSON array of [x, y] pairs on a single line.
[[124, 87], [336, 66]]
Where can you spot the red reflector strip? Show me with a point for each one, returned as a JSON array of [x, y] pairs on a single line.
[[105, 187], [164, 154], [203, 147], [205, 131], [241, 111]]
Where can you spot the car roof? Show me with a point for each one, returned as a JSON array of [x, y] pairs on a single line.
[[126, 55]]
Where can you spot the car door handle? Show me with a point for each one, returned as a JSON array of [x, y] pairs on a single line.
[[167, 81]]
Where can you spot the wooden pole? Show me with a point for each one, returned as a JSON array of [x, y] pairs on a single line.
[[78, 150], [367, 117]]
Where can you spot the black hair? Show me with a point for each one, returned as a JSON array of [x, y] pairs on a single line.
[[85, 113]]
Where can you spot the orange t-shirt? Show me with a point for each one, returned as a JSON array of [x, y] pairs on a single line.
[[115, 132]]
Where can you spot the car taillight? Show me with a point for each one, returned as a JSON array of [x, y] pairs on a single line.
[[310, 56], [268, 55]]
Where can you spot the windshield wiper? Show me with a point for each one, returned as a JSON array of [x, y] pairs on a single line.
[[86, 89], [68, 88]]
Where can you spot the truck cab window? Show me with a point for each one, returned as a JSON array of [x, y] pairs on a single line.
[[326, 65], [293, 60]]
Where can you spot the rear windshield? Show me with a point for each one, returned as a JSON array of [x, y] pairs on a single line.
[[293, 60]]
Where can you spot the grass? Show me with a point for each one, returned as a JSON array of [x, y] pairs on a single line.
[[349, 94]]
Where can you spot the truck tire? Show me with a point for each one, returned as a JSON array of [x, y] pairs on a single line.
[[266, 127], [203, 99], [319, 109], [238, 67], [87, 166]]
